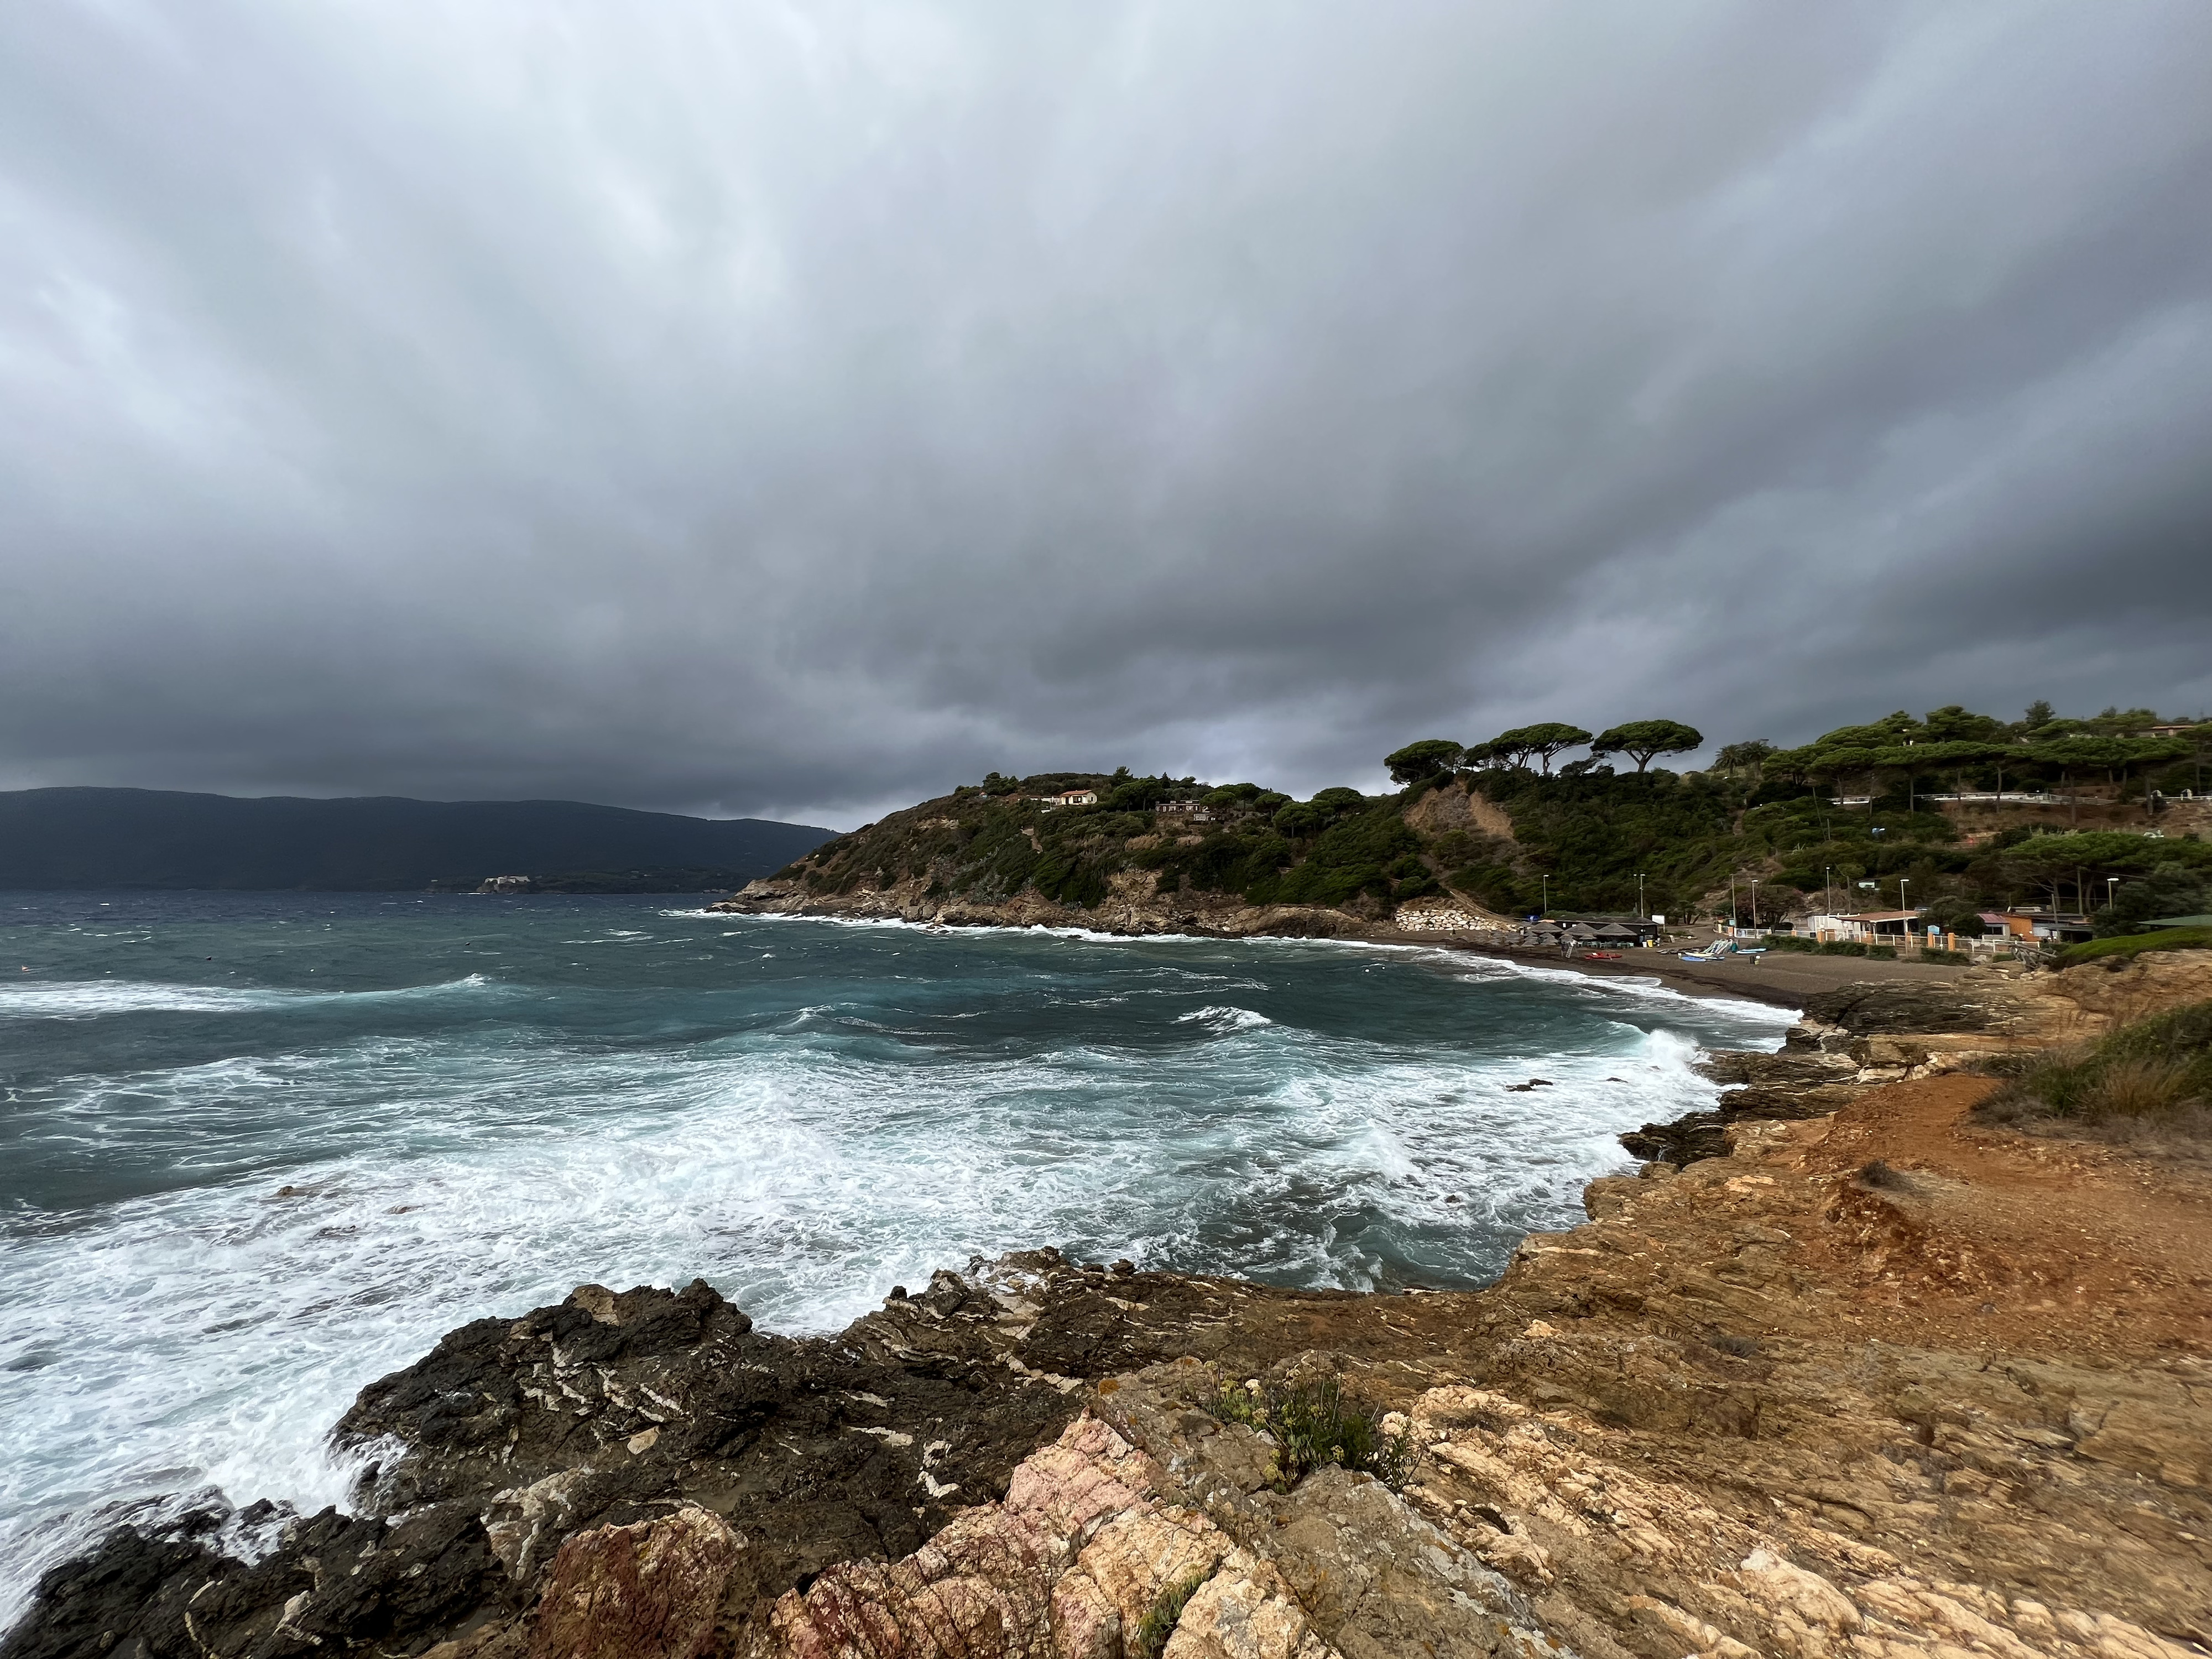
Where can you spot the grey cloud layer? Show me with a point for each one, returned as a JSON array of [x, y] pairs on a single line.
[[718, 406]]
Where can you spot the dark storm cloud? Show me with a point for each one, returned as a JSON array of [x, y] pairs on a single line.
[[733, 408]]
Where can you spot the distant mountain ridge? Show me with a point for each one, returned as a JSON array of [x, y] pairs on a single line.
[[85, 838]]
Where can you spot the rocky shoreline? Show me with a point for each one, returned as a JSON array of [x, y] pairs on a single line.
[[1845, 1372], [1133, 912], [1131, 907]]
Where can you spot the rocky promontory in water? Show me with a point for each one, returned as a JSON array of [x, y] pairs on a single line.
[[1860, 1368]]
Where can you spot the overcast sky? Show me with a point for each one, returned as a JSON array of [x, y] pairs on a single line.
[[795, 410]]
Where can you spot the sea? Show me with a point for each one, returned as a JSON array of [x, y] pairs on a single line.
[[256, 1150]]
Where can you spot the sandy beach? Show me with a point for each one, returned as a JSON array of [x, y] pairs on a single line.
[[1784, 978]]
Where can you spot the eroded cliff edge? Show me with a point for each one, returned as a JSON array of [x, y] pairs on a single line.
[[1883, 1379]]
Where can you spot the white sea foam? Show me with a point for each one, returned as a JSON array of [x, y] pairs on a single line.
[[97, 999]]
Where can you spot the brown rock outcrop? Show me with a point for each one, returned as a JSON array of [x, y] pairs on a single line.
[[1863, 1036], [647, 1591], [1088, 1538]]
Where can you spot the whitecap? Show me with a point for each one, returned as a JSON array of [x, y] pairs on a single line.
[[1225, 1020], [96, 998]]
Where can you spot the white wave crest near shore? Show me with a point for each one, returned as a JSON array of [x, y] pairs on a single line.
[[1224, 1021], [96, 998]]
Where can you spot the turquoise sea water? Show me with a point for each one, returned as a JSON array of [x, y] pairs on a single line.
[[476, 1103]]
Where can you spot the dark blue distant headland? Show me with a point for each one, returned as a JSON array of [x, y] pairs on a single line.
[[57, 839]]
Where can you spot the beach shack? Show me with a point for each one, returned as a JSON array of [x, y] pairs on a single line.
[[1866, 927]]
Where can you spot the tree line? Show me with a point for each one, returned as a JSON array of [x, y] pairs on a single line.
[[1955, 745], [1588, 838], [1538, 745]]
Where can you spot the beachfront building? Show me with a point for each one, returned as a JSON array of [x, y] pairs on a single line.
[[1864, 927], [2052, 926], [1594, 932], [1629, 928], [1071, 798]]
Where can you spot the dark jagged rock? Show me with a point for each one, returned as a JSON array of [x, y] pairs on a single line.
[[609, 1410], [1698, 1135], [1893, 1007]]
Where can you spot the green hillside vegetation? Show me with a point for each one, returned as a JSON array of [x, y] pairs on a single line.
[[1581, 829], [987, 843], [2134, 945]]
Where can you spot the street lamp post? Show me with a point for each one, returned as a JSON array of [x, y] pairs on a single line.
[[1547, 894], [1735, 915], [1754, 901], [1828, 888], [1642, 913], [2111, 893]]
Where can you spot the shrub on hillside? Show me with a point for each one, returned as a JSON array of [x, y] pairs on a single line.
[[1313, 1425], [1352, 856], [2170, 889], [2156, 1069]]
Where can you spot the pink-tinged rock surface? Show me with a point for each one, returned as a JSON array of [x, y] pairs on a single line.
[[1086, 1543], [649, 1591]]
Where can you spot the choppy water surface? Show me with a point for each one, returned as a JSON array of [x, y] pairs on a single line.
[[479, 1103]]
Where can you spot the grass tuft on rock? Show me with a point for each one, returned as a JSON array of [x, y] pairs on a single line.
[[2156, 1072], [1160, 1619], [1312, 1426]]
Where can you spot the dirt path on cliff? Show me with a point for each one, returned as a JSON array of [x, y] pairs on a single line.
[[1989, 1234]]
